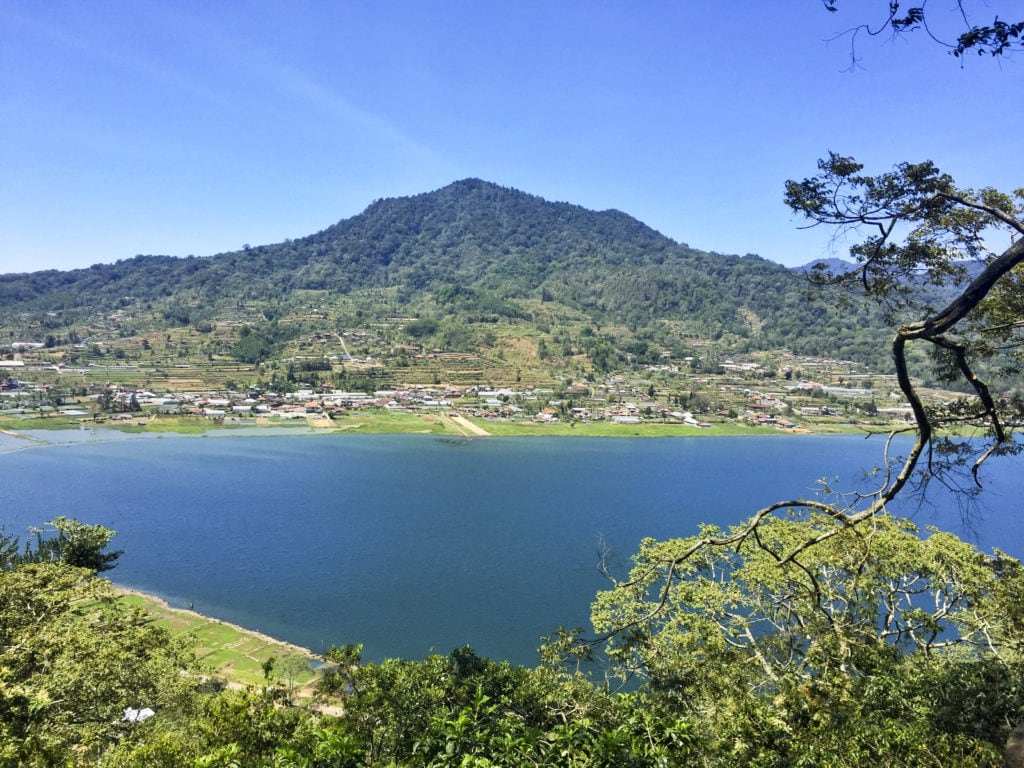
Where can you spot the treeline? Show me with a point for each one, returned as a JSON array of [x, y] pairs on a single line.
[[744, 664]]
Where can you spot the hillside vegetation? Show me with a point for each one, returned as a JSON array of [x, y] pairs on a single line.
[[532, 290], [746, 668]]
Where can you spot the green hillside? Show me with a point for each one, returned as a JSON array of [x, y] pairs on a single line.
[[523, 286]]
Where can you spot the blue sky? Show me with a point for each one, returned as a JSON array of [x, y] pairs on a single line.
[[195, 127]]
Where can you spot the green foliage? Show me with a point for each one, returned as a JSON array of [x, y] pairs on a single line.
[[464, 710], [66, 541], [864, 642], [421, 328], [72, 661], [875, 646], [255, 344]]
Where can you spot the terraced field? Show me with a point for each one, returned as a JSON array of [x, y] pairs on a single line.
[[229, 652]]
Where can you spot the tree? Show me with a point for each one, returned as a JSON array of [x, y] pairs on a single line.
[[251, 347], [73, 543], [465, 710], [291, 670], [72, 660], [949, 231], [9, 550], [421, 327], [804, 625], [869, 642]]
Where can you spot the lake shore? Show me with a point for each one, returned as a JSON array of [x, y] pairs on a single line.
[[164, 605], [253, 645], [390, 422]]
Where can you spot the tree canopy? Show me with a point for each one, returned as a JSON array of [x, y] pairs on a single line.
[[62, 540], [865, 643], [921, 229], [71, 659]]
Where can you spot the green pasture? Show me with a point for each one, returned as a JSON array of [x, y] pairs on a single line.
[[402, 422], [231, 653], [500, 428]]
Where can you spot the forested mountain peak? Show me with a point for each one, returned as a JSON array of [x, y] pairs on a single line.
[[481, 213], [477, 196]]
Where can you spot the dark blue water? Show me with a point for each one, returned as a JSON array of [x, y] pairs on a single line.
[[412, 543]]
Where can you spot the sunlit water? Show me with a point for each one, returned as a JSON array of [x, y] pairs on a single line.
[[413, 543]]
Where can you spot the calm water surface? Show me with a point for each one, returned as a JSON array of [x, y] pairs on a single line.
[[412, 543]]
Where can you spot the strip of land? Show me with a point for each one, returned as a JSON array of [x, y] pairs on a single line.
[[466, 426], [230, 652]]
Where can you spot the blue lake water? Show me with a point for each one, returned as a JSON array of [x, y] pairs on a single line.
[[413, 543]]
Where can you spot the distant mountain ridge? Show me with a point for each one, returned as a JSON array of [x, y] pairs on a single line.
[[834, 265]]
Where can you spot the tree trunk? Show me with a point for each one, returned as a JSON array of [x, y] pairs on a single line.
[[1015, 748]]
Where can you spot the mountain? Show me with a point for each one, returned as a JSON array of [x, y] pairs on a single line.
[[458, 264], [833, 265]]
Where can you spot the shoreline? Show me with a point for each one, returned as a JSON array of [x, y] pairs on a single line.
[[29, 442], [123, 591], [451, 426]]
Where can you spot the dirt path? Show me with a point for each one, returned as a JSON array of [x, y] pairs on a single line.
[[320, 421], [467, 427]]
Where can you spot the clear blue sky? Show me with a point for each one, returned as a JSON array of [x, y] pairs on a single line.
[[149, 126]]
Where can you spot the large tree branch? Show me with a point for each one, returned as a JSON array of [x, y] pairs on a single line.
[[969, 298], [991, 210], [918, 195]]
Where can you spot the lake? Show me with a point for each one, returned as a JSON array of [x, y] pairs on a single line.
[[415, 543]]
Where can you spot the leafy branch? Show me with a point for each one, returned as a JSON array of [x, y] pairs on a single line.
[[998, 38], [808, 585]]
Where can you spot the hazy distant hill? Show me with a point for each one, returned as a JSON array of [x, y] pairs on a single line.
[[479, 253], [834, 266]]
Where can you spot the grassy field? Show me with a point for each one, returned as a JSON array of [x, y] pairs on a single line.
[[433, 423], [231, 653], [610, 429]]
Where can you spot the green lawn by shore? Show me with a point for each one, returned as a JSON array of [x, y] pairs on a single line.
[[231, 653], [435, 423]]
